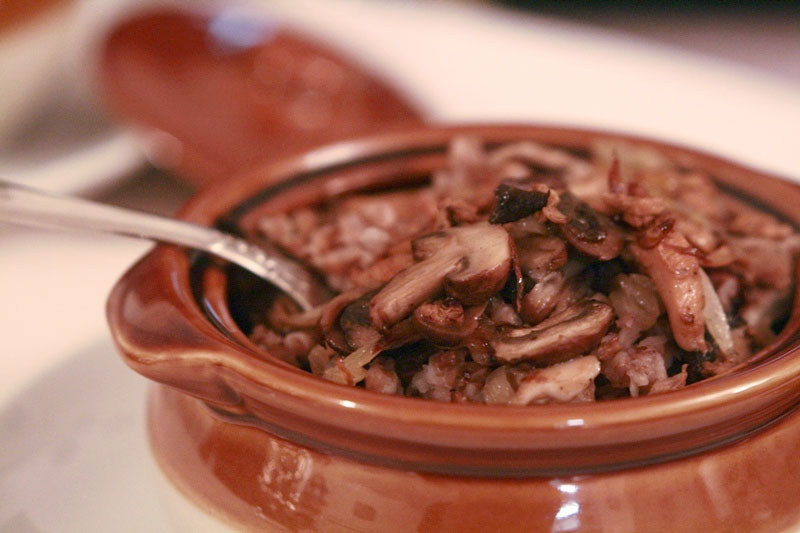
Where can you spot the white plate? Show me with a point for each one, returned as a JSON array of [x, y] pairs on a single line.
[[74, 455], [460, 65], [73, 166], [53, 135], [53, 288], [29, 54], [472, 63]]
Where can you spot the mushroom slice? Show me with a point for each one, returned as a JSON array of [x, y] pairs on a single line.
[[412, 286], [332, 311], [588, 231], [485, 265], [676, 274], [539, 255], [542, 298], [563, 382], [446, 322], [574, 331], [516, 284], [356, 325], [514, 203], [470, 262], [424, 247]]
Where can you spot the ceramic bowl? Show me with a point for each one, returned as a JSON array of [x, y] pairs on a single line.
[[263, 445]]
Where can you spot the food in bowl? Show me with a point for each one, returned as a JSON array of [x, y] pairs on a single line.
[[265, 445], [524, 274]]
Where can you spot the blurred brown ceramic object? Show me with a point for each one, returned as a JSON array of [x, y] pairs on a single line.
[[218, 93], [265, 445], [18, 12]]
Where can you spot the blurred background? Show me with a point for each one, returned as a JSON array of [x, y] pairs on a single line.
[[61, 129], [763, 35]]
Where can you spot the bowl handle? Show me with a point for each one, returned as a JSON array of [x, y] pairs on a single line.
[[161, 332]]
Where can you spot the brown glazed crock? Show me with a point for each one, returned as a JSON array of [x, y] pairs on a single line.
[[263, 445]]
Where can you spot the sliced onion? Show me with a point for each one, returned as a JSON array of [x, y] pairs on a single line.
[[350, 370], [716, 321]]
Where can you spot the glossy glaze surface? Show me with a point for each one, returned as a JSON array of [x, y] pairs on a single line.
[[260, 481], [169, 335], [220, 92]]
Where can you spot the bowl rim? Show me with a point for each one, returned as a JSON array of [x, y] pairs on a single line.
[[297, 405]]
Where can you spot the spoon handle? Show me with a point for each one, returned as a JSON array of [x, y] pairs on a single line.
[[29, 207]]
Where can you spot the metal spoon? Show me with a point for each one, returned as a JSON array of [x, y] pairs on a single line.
[[29, 207]]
